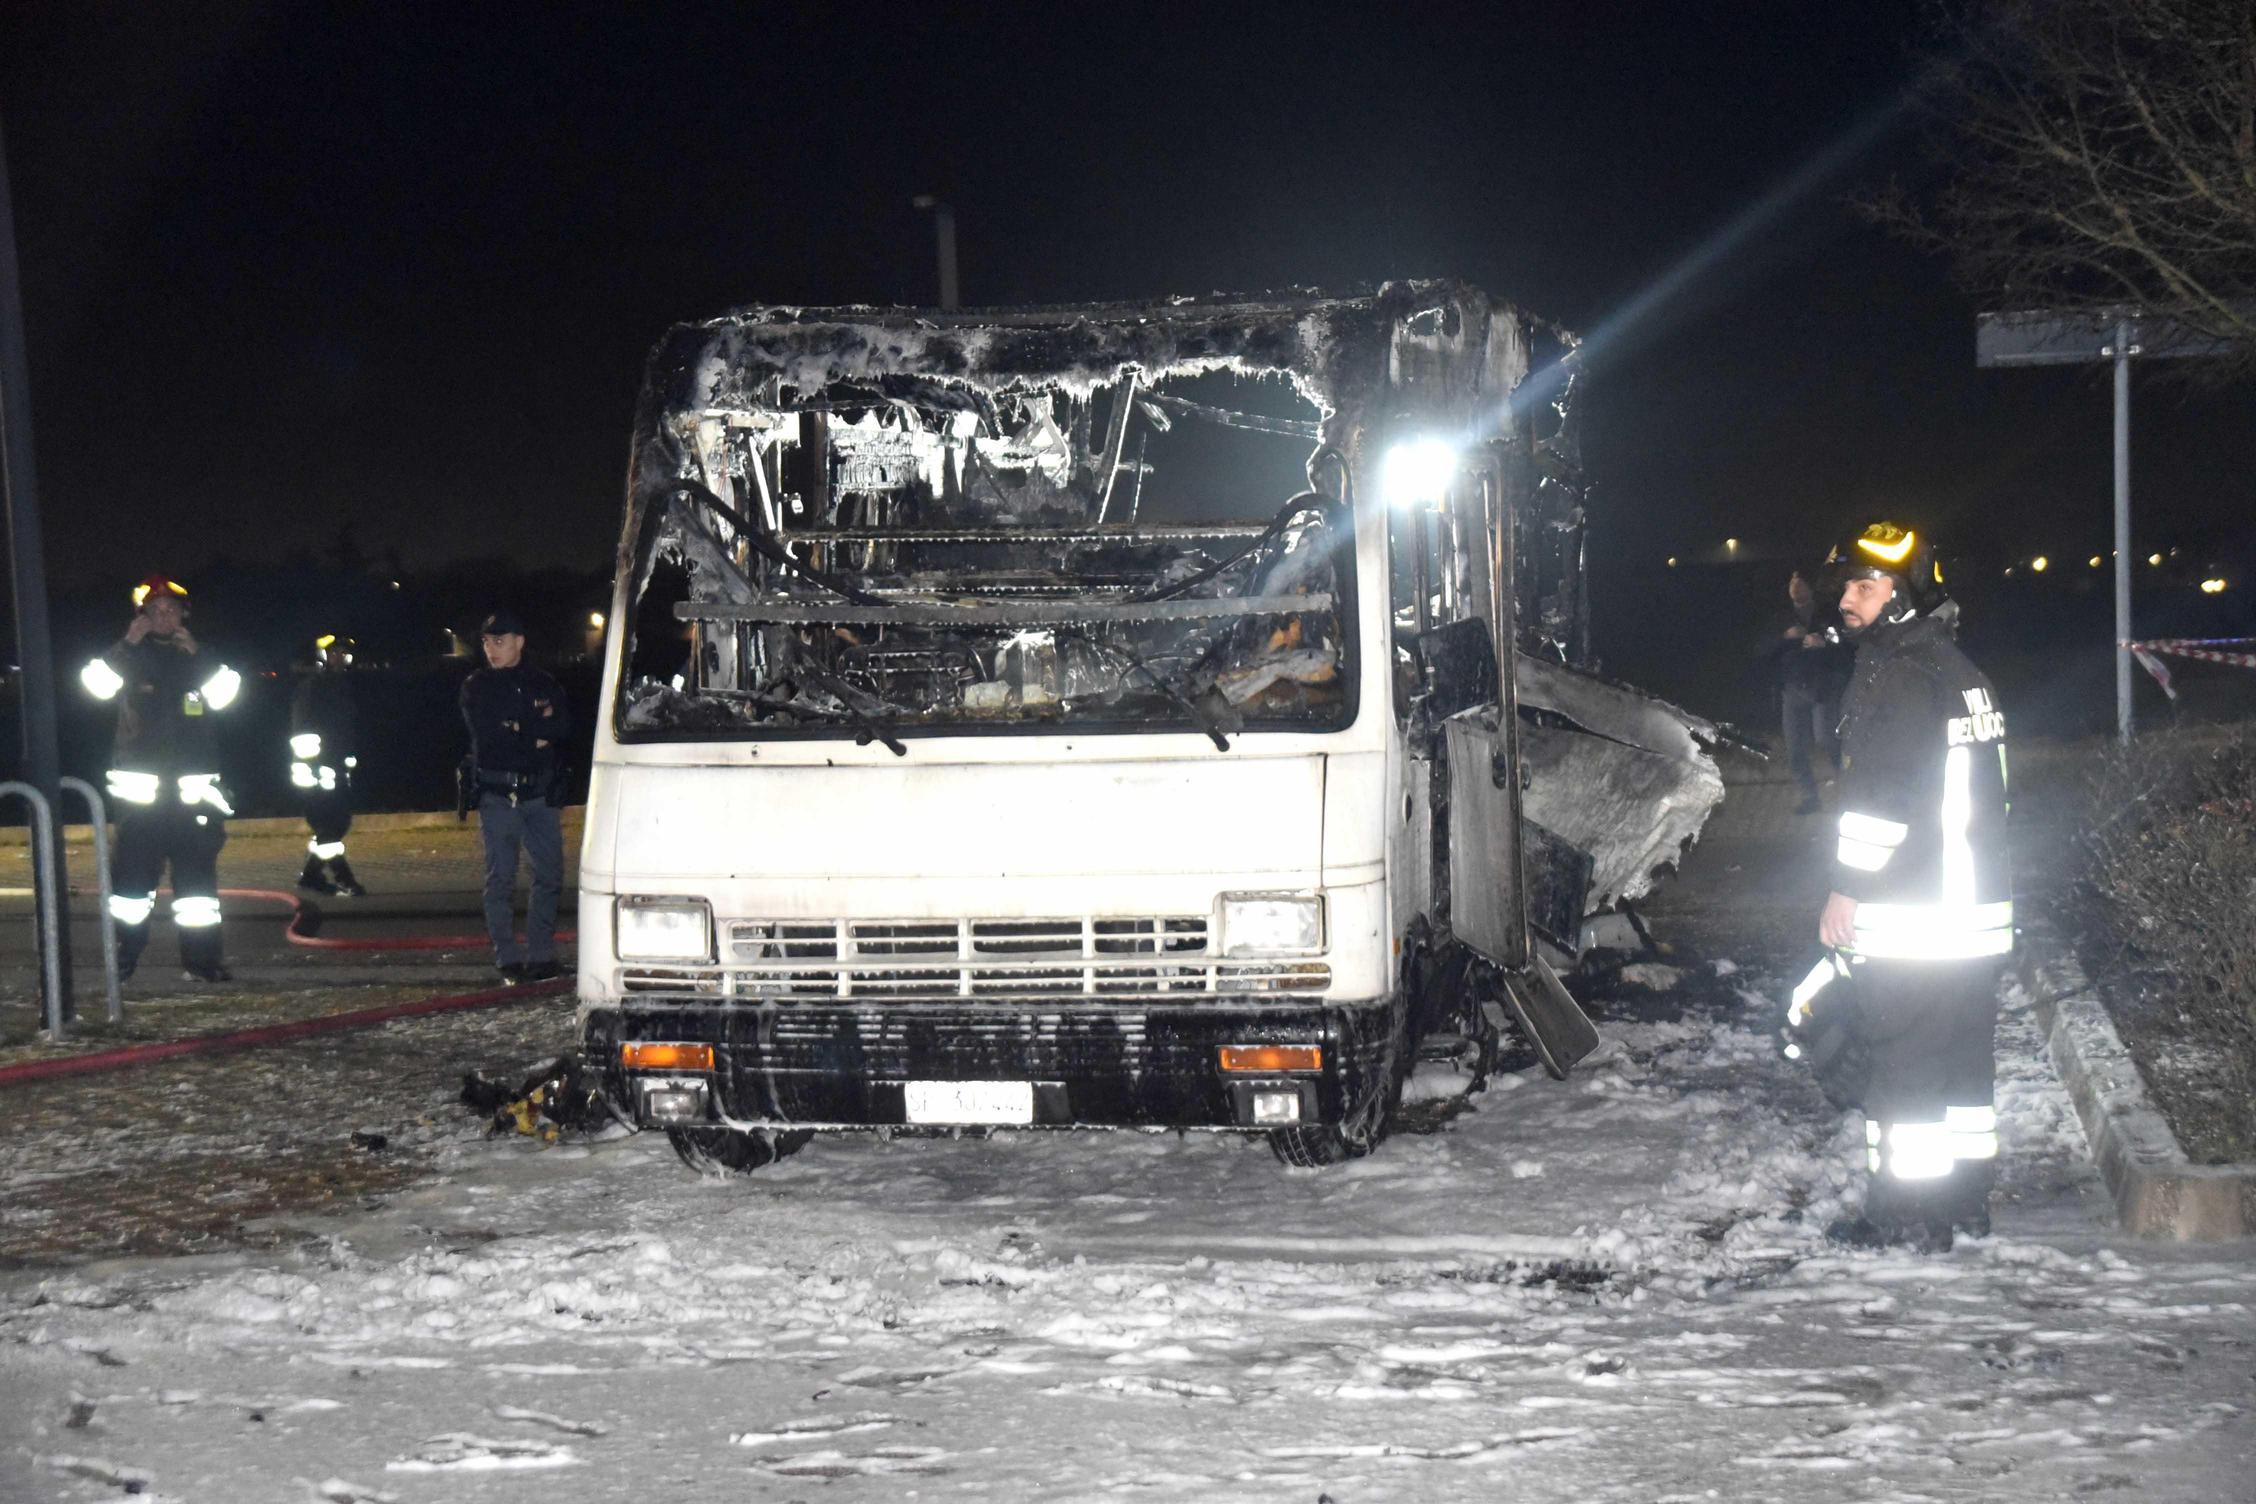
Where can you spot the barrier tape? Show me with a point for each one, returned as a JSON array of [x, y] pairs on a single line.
[[2202, 648]]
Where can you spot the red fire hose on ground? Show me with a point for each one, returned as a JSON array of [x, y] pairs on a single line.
[[248, 1039], [305, 928], [304, 921]]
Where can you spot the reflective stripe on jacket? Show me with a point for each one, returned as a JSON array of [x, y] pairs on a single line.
[[1921, 842]]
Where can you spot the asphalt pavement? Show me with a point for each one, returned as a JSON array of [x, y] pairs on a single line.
[[422, 882]]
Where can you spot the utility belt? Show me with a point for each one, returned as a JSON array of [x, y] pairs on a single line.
[[472, 783], [516, 786]]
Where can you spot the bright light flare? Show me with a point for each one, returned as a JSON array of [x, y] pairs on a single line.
[[1417, 471], [595, 620], [2212, 586], [2040, 563]]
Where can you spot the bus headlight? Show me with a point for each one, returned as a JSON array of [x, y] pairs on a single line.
[[664, 929], [1272, 924]]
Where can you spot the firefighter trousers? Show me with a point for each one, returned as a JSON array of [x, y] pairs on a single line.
[[328, 814], [1930, 1119], [151, 838]]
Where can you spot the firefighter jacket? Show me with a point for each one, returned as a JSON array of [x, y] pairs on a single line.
[[168, 699], [1922, 843], [518, 720], [324, 731]]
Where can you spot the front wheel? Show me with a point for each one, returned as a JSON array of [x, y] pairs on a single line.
[[1312, 1148], [732, 1151], [1315, 1145]]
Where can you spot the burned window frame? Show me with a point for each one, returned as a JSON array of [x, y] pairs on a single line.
[[1139, 708]]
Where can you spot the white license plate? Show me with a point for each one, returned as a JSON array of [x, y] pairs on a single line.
[[969, 1101]]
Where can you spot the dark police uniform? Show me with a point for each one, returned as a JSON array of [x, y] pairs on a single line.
[[324, 751], [1922, 849], [165, 794], [1810, 681], [518, 720]]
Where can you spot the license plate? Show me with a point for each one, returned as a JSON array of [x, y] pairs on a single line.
[[969, 1101]]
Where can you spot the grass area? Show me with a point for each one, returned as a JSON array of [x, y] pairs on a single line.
[[2162, 917]]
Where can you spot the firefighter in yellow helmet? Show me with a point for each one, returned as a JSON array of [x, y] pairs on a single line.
[[164, 785], [1921, 910], [324, 751]]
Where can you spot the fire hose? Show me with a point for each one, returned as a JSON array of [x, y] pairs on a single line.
[[305, 928], [305, 920]]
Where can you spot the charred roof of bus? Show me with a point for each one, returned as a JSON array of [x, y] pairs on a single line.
[[1435, 354], [919, 521]]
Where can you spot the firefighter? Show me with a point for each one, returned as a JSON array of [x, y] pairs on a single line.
[[164, 776], [324, 750], [518, 720], [1921, 912]]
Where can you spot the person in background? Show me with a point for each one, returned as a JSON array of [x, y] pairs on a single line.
[[518, 720], [324, 751], [164, 777], [1805, 650]]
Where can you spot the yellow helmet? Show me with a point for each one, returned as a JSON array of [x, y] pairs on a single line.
[[1894, 550]]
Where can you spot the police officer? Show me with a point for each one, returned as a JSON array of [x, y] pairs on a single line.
[[518, 721], [1921, 912], [164, 776], [324, 751]]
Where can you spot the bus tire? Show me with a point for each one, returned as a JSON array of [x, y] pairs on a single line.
[[732, 1151], [1311, 1148]]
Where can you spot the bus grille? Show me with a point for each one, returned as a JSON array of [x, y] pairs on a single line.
[[910, 960]]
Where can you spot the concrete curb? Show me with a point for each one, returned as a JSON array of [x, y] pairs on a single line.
[[2158, 1191], [280, 825]]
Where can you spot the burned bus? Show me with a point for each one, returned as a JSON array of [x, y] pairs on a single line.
[[1154, 716]]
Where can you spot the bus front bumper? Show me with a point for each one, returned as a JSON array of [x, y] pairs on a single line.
[[1032, 1065]]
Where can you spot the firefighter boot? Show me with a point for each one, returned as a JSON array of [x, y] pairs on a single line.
[[344, 884], [313, 879], [200, 955], [131, 940]]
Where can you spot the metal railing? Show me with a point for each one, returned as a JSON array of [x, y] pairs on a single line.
[[46, 856]]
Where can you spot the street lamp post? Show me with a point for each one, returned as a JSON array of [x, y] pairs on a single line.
[[2042, 337], [944, 235], [42, 759]]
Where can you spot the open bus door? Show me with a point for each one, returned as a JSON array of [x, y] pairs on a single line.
[[1500, 868]]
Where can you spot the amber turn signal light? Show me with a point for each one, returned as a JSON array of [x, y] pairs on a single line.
[[642, 1055], [1266, 1059]]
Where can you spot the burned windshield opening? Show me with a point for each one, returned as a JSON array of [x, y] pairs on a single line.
[[919, 557]]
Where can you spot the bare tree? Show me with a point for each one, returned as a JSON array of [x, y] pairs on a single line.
[[2099, 153]]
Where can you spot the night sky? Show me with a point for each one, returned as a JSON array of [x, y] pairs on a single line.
[[289, 266]]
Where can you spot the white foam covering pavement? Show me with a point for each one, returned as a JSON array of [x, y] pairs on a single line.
[[1614, 1288]]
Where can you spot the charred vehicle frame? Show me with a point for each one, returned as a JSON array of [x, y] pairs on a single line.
[[1093, 717]]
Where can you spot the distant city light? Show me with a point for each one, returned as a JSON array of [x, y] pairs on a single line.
[[2009, 571], [2155, 560], [595, 620], [2095, 561], [2212, 586], [395, 584], [2040, 563], [1731, 543], [1672, 561]]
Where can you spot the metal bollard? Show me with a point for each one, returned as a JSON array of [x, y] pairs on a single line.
[[98, 816], [51, 955]]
